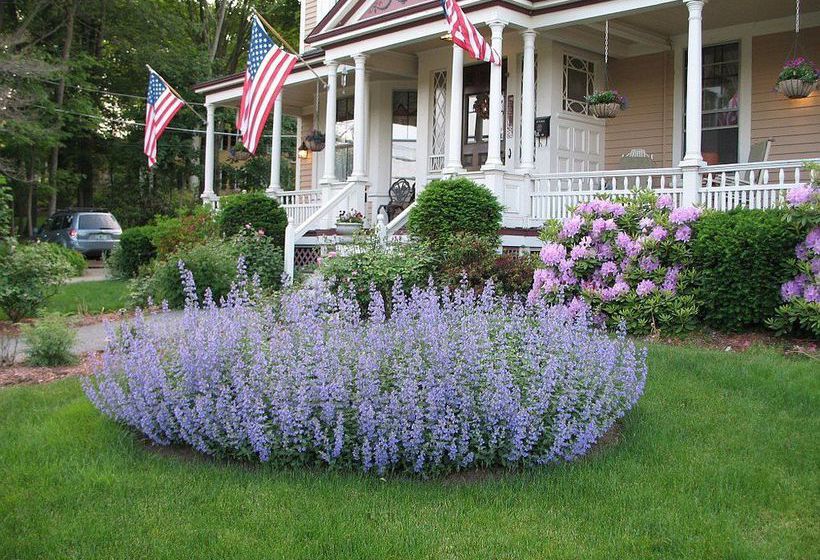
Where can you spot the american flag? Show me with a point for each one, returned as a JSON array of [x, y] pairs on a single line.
[[268, 68], [465, 35], [162, 106]]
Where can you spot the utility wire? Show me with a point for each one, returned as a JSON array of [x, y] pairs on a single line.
[[102, 91], [125, 122]]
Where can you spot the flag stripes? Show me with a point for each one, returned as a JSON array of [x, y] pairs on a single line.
[[161, 107], [465, 35]]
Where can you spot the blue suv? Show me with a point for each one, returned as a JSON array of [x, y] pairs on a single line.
[[92, 232]]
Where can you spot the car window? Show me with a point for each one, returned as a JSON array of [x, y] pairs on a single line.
[[97, 221]]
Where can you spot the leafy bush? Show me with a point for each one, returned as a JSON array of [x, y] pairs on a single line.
[[369, 263], [213, 266], [75, 260], [801, 311], [452, 206], [628, 260], [263, 257], [448, 381], [29, 275], [255, 209], [134, 250], [512, 274], [182, 232], [742, 257], [465, 259], [49, 341]]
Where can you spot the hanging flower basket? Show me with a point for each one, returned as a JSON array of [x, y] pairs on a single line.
[[481, 106], [315, 141], [798, 78], [606, 104]]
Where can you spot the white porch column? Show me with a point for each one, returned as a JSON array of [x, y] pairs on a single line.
[[528, 103], [208, 195], [453, 164], [693, 158], [330, 124], [496, 101], [276, 147], [359, 119]]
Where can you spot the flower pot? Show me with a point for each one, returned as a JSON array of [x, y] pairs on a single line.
[[348, 228], [605, 110], [796, 89]]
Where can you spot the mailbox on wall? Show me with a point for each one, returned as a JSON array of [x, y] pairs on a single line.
[[542, 128]]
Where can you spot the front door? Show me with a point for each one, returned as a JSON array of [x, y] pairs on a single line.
[[476, 118], [580, 142]]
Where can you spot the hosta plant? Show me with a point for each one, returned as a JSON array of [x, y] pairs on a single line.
[[626, 260], [448, 381]]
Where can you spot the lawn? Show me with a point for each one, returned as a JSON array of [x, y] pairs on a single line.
[[719, 460], [89, 297]]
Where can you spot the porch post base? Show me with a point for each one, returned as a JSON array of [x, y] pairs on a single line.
[[494, 180], [448, 172], [691, 182], [210, 199]]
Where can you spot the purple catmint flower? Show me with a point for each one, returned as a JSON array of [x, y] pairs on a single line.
[[553, 253], [444, 381], [664, 202], [645, 287]]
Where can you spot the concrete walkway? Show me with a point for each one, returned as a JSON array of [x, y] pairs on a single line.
[[95, 271], [91, 338]]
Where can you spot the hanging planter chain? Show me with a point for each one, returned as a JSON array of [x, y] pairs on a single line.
[[607, 103], [798, 77]]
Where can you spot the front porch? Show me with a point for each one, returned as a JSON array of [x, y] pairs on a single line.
[[401, 103]]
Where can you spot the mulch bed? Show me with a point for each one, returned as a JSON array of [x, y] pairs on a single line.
[[20, 374]]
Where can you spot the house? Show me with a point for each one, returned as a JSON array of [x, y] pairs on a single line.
[[704, 124]]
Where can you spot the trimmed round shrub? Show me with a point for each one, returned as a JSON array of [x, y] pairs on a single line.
[[742, 258], [213, 266], [49, 341], [170, 234], [255, 209], [451, 206], [134, 250], [449, 381]]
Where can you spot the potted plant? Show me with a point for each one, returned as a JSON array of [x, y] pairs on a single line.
[[349, 222], [798, 78], [315, 141], [606, 104]]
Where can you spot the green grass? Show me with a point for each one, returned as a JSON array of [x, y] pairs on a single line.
[[719, 460], [89, 297]]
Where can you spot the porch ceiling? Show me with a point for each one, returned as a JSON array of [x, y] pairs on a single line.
[[673, 20]]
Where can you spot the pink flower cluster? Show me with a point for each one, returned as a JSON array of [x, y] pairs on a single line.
[[599, 254]]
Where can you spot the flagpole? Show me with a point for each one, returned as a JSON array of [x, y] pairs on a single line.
[[175, 92], [286, 44]]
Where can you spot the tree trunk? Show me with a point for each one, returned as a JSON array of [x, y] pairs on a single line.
[[220, 20], [55, 151], [31, 205]]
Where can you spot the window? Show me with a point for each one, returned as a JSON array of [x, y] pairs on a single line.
[[439, 128], [721, 84], [97, 221], [403, 150], [579, 81], [344, 137]]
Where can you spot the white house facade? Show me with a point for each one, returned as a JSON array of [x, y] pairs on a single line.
[[400, 106]]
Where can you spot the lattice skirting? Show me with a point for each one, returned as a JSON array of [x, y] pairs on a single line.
[[305, 256]]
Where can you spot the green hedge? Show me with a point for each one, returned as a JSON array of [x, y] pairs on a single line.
[[742, 258], [134, 250], [256, 209], [454, 206]]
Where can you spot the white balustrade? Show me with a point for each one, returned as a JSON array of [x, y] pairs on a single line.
[[750, 185], [299, 205]]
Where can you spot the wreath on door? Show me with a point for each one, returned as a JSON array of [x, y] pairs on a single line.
[[481, 106]]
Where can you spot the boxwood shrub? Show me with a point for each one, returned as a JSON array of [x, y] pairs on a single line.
[[134, 250], [256, 209], [742, 257], [452, 206]]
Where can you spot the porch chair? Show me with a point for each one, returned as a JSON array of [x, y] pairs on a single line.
[[402, 194], [637, 158], [758, 153]]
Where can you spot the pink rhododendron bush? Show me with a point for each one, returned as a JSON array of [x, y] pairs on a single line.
[[626, 261], [800, 313]]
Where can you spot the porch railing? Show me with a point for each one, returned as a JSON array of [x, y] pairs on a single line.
[[749, 185], [299, 205], [555, 193]]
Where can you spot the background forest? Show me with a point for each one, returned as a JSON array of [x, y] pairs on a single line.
[[65, 142]]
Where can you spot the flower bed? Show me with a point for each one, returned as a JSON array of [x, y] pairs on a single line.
[[448, 381]]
